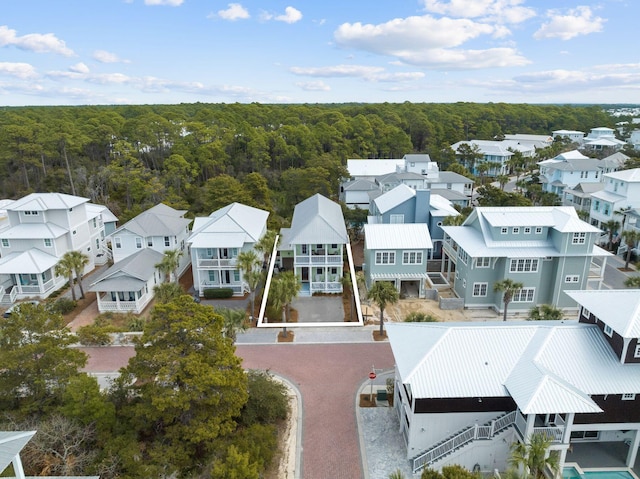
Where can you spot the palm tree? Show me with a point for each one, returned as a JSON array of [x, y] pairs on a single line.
[[78, 260], [265, 244], [249, 263], [509, 288], [284, 288], [234, 321], [611, 227], [454, 220], [167, 292], [545, 312], [534, 456], [65, 268], [630, 238], [502, 181], [169, 264], [383, 293], [632, 282]]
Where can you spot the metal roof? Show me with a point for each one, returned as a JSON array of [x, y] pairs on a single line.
[[360, 185], [547, 367], [103, 211], [132, 271], [32, 261], [624, 318], [440, 204], [397, 236], [609, 196], [34, 231], [235, 222], [317, 220], [46, 201], [160, 220], [394, 197], [632, 175], [377, 167], [449, 177]]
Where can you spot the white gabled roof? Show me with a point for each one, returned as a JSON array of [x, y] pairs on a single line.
[[106, 214], [317, 220], [34, 231], [160, 220], [545, 366], [624, 318], [571, 155], [631, 176], [231, 226], [561, 218], [46, 201], [441, 206], [394, 197], [359, 167], [32, 261], [11, 443], [397, 236]]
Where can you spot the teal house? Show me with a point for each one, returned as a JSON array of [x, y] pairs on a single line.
[[548, 249]]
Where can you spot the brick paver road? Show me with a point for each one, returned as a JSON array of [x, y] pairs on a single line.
[[328, 377]]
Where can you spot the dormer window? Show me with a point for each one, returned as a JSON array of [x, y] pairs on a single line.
[[608, 330], [5, 243], [636, 353], [31, 213], [628, 397]]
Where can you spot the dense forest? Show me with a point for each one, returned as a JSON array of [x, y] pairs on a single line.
[[202, 156]]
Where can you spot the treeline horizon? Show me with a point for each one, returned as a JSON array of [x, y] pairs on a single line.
[[200, 156]]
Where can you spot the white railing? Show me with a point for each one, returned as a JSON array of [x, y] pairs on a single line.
[[237, 288], [36, 288], [464, 437], [10, 297], [309, 259], [215, 262], [119, 306], [322, 286], [554, 433]]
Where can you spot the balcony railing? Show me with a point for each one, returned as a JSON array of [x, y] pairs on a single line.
[[311, 259], [236, 287], [36, 288], [216, 262], [9, 297], [123, 306], [334, 286]]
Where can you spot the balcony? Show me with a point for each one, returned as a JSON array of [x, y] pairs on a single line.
[[302, 260], [238, 289], [106, 304], [204, 263]]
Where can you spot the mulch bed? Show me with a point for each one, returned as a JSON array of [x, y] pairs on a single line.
[[378, 337], [367, 400], [285, 339]]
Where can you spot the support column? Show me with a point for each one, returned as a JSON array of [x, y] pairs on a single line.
[[633, 449], [531, 420]]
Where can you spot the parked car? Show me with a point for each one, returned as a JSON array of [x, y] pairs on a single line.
[[13, 307]]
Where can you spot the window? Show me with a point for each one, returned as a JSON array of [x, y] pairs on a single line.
[[97, 244], [480, 289], [504, 231], [462, 254], [334, 270], [572, 278], [95, 223], [464, 283], [318, 270], [396, 219], [608, 330], [412, 257], [319, 246], [527, 230], [629, 397], [596, 205], [212, 276], [515, 230], [483, 262], [150, 242], [117, 242], [48, 243], [524, 265], [524, 295], [138, 243], [31, 213], [334, 246], [385, 257], [579, 238], [167, 241], [585, 313], [538, 230], [304, 249], [636, 353], [236, 275]]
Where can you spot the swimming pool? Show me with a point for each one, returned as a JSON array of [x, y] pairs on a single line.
[[574, 472]]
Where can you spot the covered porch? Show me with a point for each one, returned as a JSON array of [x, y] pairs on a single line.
[[28, 274], [123, 301]]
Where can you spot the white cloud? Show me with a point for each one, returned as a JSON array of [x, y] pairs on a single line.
[[314, 86], [577, 21], [79, 68], [291, 15], [170, 3], [234, 12], [35, 42], [507, 11], [374, 74], [104, 56], [19, 70], [429, 42]]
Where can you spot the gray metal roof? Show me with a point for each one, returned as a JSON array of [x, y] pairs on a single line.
[[609, 196], [11, 443], [360, 185], [377, 167], [317, 220], [551, 366], [32, 261], [34, 231], [449, 177], [631, 176], [160, 220], [394, 197], [397, 236], [46, 201], [132, 271], [103, 211], [241, 223], [624, 318]]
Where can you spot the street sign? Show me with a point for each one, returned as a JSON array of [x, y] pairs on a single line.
[[372, 375]]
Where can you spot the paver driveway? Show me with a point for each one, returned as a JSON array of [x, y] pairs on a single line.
[[328, 377]]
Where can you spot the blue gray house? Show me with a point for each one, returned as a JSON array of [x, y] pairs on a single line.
[[548, 249], [397, 253]]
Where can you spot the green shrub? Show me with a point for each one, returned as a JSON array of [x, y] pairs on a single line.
[[94, 335], [63, 306], [218, 293], [419, 317], [267, 401], [136, 323]]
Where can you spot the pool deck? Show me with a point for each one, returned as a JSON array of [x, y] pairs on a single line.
[[596, 455]]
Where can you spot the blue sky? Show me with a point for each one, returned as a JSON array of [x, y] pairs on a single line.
[[75, 52]]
